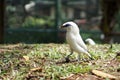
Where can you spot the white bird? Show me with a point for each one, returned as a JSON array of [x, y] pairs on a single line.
[[74, 40], [90, 41], [29, 6]]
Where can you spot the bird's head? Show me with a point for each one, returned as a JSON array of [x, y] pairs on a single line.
[[70, 27]]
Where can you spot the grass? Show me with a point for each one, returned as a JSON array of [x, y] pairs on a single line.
[[44, 61]]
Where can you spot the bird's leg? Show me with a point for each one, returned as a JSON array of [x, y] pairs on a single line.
[[67, 58], [81, 57], [78, 57]]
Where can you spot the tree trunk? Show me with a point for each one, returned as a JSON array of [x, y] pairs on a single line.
[[1, 21], [109, 8]]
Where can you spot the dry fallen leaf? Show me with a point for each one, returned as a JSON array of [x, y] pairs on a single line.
[[31, 73], [26, 58], [103, 74], [36, 69], [66, 78]]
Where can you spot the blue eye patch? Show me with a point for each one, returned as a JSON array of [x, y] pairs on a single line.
[[66, 25]]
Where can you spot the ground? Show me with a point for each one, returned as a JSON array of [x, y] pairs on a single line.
[[46, 62]]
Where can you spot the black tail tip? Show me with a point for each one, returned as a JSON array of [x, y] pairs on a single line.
[[92, 58]]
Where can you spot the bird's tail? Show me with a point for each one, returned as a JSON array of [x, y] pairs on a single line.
[[90, 56]]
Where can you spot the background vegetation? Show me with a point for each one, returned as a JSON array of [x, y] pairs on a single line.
[[15, 15]]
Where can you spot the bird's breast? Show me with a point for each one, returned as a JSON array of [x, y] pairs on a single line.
[[70, 38]]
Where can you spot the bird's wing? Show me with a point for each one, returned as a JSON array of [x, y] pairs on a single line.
[[81, 43], [80, 49]]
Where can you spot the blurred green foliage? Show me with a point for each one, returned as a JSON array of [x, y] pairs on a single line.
[[32, 22], [14, 22]]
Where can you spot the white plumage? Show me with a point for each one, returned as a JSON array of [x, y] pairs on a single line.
[[29, 6], [74, 39]]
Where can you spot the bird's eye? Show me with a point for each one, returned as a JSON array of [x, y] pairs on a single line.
[[66, 25]]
